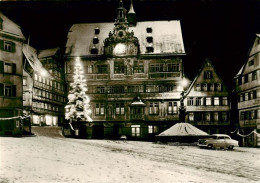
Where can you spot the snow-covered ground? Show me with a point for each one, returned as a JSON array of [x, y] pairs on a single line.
[[44, 159]]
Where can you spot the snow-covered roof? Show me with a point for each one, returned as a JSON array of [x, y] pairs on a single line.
[[240, 71], [47, 52], [183, 129], [31, 56], [167, 37], [11, 28]]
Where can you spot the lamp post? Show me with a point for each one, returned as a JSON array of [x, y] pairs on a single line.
[[182, 108]]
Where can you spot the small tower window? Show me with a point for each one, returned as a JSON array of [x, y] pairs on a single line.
[[97, 30], [95, 40], [149, 49], [149, 39], [94, 51], [149, 30]]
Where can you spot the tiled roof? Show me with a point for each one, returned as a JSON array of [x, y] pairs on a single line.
[[11, 28], [167, 37], [47, 52]]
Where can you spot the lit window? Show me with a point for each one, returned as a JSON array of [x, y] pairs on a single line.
[[216, 100], [135, 130], [154, 108], [24, 82], [246, 96], [218, 87], [199, 101], [170, 108], [191, 116], [8, 91], [8, 68], [215, 116], [224, 101], [204, 87], [175, 108], [208, 101], [254, 75], [152, 129], [90, 69], [198, 87], [207, 116], [120, 109]]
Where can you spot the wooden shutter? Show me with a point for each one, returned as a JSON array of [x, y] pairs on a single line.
[[1, 67], [14, 90], [14, 68], [13, 47], [1, 89], [2, 44]]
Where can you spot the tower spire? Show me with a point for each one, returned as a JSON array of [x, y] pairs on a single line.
[[121, 13], [131, 16]]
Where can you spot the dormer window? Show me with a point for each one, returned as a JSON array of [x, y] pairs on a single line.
[[97, 30], [149, 30], [95, 40], [149, 49], [149, 39], [94, 50], [208, 75]]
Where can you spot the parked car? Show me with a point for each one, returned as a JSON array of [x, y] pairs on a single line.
[[218, 140]]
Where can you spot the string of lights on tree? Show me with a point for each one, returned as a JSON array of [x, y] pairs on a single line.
[[78, 107], [237, 130]]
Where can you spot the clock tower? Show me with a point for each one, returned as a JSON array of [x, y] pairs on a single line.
[[121, 42]]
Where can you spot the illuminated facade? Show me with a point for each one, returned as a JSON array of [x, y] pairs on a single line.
[[43, 84], [134, 74], [11, 105], [207, 102], [248, 95]]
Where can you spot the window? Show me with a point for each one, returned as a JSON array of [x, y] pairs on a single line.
[[173, 67], [211, 87], [254, 75], [246, 96], [198, 87], [224, 116], [116, 89], [101, 89], [242, 116], [135, 89], [8, 68], [240, 80], [100, 109], [156, 67], [199, 101], [170, 108], [94, 51], [152, 129], [119, 67], [7, 46], [218, 87], [224, 101], [120, 109], [90, 69], [135, 130], [102, 69], [246, 78], [95, 40], [204, 87], [207, 116], [97, 30], [8, 91], [149, 49], [138, 67], [216, 100], [35, 77], [208, 75], [191, 116], [149, 29], [190, 101], [154, 108], [149, 39], [208, 101], [40, 79], [215, 116], [251, 62]]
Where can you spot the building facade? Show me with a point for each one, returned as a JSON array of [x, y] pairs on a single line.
[[248, 96], [11, 104], [207, 102], [134, 74], [43, 84]]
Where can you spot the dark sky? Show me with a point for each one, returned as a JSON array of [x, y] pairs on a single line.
[[221, 30]]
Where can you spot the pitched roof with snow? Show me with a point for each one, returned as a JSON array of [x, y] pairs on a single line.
[[47, 52], [183, 129], [10, 28], [167, 37]]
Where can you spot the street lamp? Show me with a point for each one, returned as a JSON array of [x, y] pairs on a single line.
[[182, 108]]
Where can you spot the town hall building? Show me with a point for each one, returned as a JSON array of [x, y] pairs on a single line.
[[134, 74]]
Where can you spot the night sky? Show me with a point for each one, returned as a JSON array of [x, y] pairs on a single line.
[[221, 30]]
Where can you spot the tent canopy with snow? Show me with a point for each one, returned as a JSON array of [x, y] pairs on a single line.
[[182, 132]]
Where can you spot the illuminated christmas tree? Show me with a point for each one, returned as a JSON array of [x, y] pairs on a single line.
[[78, 108]]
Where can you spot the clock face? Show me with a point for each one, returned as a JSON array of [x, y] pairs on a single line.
[[120, 49]]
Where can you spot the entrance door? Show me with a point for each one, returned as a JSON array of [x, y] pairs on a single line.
[[98, 132], [116, 131]]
